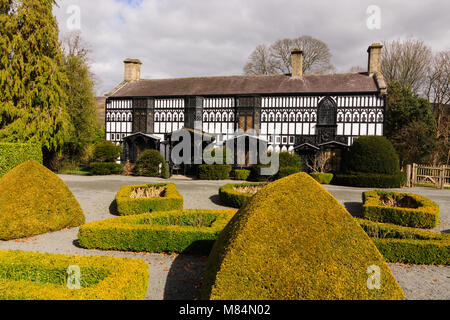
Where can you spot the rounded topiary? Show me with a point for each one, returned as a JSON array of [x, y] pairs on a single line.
[[106, 151], [149, 162], [293, 240], [34, 200], [372, 154]]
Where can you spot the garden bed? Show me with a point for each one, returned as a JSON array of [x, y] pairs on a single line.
[[38, 276], [404, 209], [237, 195], [408, 245], [188, 231], [137, 199]]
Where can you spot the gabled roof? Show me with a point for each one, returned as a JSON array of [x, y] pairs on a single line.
[[243, 85]]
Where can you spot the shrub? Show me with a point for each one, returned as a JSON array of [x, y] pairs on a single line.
[[322, 178], [372, 154], [368, 180], [13, 154], [256, 175], [188, 231], [38, 276], [105, 168], [233, 198], [288, 159], [169, 200], [424, 213], [214, 171], [106, 151], [224, 154], [408, 245], [34, 200], [241, 174], [292, 241], [148, 164], [286, 171]]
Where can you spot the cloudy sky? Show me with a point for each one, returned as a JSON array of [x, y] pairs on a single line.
[[184, 38]]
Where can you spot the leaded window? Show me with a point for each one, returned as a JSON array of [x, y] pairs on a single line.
[[327, 112]]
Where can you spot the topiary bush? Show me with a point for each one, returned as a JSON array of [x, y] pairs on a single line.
[[13, 154], [408, 245], [106, 151], [188, 231], [241, 174], [290, 163], [372, 154], [148, 164], [286, 171], [214, 171], [39, 276], [293, 240], [368, 180], [322, 178], [169, 200], [231, 196], [34, 200], [105, 168], [404, 209]]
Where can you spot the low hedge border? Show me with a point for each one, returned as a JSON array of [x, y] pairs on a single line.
[[370, 180], [39, 276], [171, 200], [141, 233], [322, 178], [214, 171], [426, 216], [408, 245], [105, 168], [232, 198], [241, 174], [13, 154]]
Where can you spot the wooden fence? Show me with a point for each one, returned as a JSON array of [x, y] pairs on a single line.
[[419, 174]]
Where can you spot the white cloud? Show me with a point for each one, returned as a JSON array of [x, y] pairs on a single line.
[[179, 38]]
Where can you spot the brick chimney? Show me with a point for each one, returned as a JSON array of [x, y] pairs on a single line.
[[132, 69], [297, 62], [374, 58]]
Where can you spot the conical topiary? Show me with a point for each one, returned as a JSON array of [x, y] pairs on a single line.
[[293, 240], [34, 200]]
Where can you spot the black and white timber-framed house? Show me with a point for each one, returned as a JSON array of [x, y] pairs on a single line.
[[298, 113]]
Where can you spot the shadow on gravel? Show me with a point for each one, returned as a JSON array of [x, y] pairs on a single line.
[[77, 244], [113, 208], [216, 200], [185, 277], [355, 208], [446, 231]]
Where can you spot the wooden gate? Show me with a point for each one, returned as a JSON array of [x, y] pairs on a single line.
[[425, 175]]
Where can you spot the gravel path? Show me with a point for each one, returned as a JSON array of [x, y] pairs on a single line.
[[179, 276]]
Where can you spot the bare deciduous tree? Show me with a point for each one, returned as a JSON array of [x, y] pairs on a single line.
[[357, 69], [406, 62], [318, 162], [276, 59]]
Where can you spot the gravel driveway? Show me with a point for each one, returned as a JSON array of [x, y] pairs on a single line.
[[179, 276]]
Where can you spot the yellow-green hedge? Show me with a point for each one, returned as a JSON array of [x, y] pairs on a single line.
[[171, 200], [171, 231], [408, 245], [38, 276], [293, 240], [425, 216], [13, 154], [232, 198], [34, 200]]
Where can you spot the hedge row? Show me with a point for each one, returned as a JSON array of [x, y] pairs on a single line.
[[214, 171], [105, 168], [171, 199], [188, 231], [408, 245], [426, 215], [232, 198], [369, 180], [38, 276], [13, 154], [322, 178], [241, 174]]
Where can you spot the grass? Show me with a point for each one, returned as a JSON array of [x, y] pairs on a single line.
[[147, 192]]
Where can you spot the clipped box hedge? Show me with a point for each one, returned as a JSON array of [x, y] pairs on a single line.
[[188, 231], [241, 174], [214, 171], [370, 180], [38, 276], [425, 216], [322, 178], [236, 199], [105, 168], [170, 200], [408, 245], [13, 154]]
